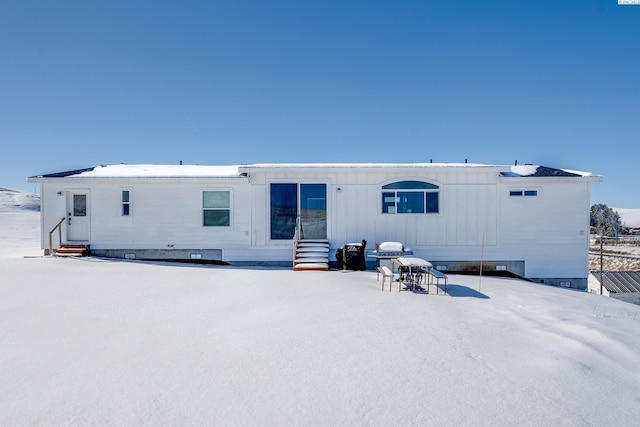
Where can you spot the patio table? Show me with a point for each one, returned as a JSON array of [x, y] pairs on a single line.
[[411, 269]]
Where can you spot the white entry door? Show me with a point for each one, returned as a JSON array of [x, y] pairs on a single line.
[[78, 219]]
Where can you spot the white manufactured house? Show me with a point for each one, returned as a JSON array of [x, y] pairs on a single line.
[[532, 221]]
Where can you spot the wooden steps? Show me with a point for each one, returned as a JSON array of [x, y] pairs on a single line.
[[72, 250], [311, 255]]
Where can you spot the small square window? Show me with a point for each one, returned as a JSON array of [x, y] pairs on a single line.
[[531, 193], [515, 193]]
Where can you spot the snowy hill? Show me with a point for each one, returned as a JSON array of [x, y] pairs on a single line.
[[11, 200], [108, 342], [19, 223], [629, 217]]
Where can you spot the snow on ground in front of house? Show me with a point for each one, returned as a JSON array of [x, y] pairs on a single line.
[[106, 342]]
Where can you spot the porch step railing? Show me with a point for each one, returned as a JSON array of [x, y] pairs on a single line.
[[58, 227], [65, 249], [309, 254]]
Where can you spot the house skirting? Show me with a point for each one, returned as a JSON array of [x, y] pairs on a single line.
[[193, 255], [563, 282]]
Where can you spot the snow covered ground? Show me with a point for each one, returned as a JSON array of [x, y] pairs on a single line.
[[630, 218], [613, 263], [619, 257], [99, 342]]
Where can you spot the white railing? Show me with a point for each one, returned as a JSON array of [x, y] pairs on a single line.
[[297, 235]]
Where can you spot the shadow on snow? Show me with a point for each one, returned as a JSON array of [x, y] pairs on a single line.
[[461, 291]]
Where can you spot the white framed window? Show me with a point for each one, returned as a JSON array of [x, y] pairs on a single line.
[[410, 197], [125, 207], [216, 208]]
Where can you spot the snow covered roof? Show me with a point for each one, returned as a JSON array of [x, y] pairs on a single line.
[[540, 171], [148, 171], [503, 170], [364, 165]]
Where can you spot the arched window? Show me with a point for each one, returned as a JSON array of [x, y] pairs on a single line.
[[410, 197]]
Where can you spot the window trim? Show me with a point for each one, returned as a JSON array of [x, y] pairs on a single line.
[[128, 203], [203, 208], [523, 193], [393, 189], [299, 183]]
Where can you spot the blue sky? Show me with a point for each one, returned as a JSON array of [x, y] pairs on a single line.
[[84, 83]]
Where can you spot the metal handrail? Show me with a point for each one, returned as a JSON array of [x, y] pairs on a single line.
[[297, 235], [295, 241], [59, 227], [298, 230]]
